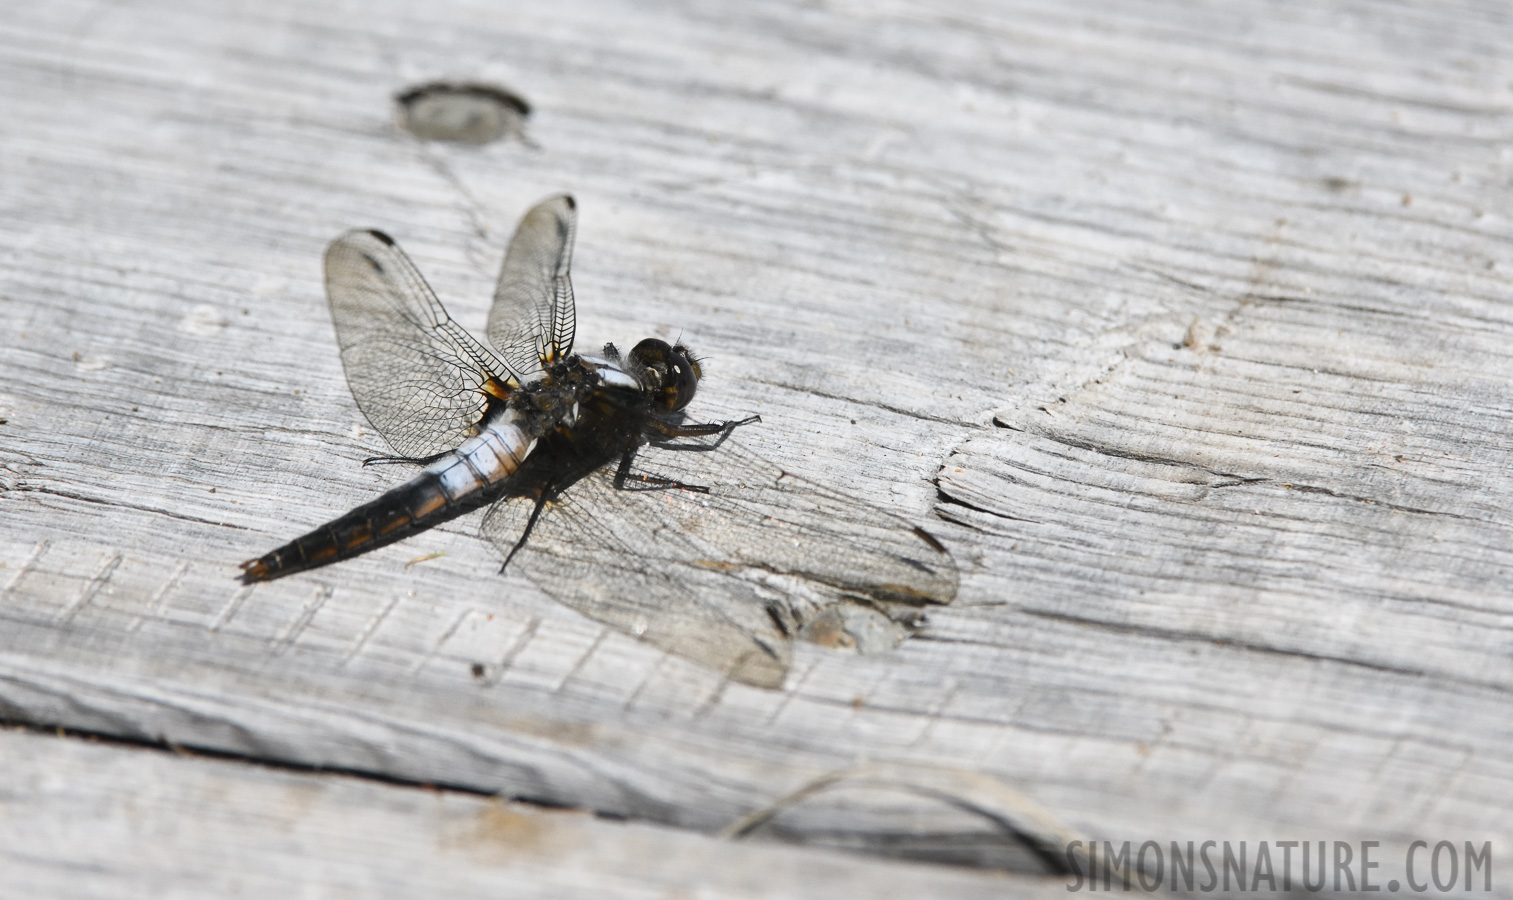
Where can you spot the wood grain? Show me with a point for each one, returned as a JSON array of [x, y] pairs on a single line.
[[1203, 310], [83, 819]]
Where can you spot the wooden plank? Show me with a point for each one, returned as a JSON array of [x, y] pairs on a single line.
[[92, 820], [1206, 315]]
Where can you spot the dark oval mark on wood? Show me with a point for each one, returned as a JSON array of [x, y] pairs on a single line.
[[467, 113]]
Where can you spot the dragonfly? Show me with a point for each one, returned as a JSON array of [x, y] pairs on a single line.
[[596, 484]]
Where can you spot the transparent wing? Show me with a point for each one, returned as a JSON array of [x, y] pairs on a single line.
[[532, 320], [415, 373], [724, 578]]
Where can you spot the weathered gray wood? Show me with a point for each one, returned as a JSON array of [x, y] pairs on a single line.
[[1210, 306], [91, 820]]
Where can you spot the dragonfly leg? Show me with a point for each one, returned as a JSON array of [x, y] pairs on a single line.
[[530, 523], [626, 480], [659, 431]]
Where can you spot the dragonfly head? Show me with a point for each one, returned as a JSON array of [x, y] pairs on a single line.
[[671, 372]]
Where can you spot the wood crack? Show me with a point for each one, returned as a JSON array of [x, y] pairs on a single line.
[[164, 745], [1229, 479], [100, 501], [1257, 647], [909, 412], [1396, 507], [1232, 478], [944, 496]]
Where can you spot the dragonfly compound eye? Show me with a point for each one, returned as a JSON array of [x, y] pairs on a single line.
[[668, 370]]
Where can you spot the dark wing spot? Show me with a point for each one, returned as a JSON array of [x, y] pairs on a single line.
[[928, 538], [381, 236], [777, 618], [766, 648]]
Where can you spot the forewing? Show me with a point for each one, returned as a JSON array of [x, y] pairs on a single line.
[[722, 578], [415, 373], [532, 320]]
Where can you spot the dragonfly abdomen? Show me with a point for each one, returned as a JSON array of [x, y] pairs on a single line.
[[447, 488], [488, 457]]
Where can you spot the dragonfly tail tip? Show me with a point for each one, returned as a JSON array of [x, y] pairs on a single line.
[[254, 570]]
